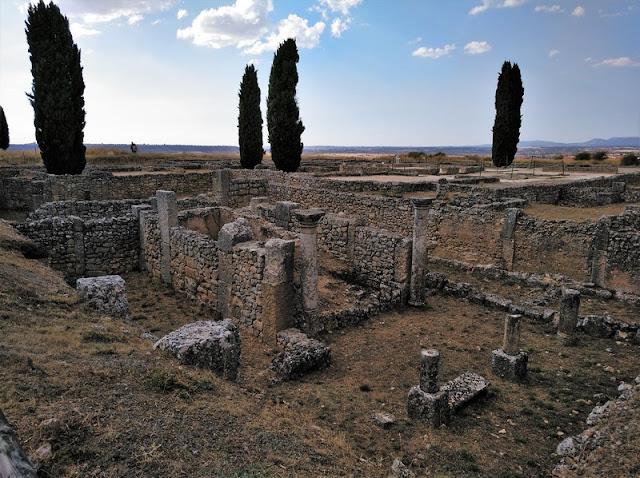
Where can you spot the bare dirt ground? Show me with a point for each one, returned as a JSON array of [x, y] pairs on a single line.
[[110, 406]]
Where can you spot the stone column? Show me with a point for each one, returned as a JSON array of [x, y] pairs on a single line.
[[222, 186], [427, 401], [568, 323], [231, 234], [429, 370], [508, 362], [419, 253], [508, 236], [511, 342], [167, 218], [277, 288], [136, 210], [308, 219]]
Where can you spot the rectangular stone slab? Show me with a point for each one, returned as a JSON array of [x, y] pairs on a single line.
[[465, 388]]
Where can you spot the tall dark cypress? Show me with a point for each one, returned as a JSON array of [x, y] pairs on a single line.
[[4, 130], [283, 116], [250, 120], [506, 128], [57, 90]]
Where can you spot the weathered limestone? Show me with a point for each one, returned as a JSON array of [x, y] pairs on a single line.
[[136, 210], [283, 212], [508, 236], [434, 404], [426, 401], [508, 362], [301, 356], [230, 234], [13, 460], [222, 186], [600, 246], [308, 219], [277, 288], [106, 294], [568, 323], [419, 255], [255, 202], [167, 218], [206, 344], [429, 370]]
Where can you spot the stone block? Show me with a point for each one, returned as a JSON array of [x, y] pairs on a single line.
[[465, 388], [430, 407], [206, 344], [234, 233], [509, 367], [304, 356], [283, 212], [106, 294]]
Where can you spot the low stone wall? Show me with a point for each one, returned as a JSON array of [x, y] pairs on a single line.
[[245, 307], [85, 209], [242, 190], [80, 248], [25, 194]]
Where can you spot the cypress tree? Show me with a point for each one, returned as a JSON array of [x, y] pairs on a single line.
[[283, 116], [250, 120], [4, 130], [57, 90], [506, 127]]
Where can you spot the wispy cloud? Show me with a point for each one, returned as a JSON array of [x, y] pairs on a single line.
[[181, 14], [486, 4], [339, 25], [342, 6], [434, 53], [415, 41], [477, 48], [96, 11], [553, 53], [549, 9], [579, 11], [133, 19], [621, 62], [79, 30]]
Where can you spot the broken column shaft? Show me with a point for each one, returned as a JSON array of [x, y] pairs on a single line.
[[508, 362], [568, 323], [420, 251], [308, 221]]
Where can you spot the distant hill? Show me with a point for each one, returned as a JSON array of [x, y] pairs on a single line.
[[483, 149]]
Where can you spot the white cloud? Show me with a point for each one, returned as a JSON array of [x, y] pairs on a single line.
[[578, 11], [417, 40], [477, 48], [94, 11], [486, 4], [549, 9], [342, 6], [133, 19], [424, 52], [291, 27], [553, 53], [621, 62], [181, 14], [79, 30], [480, 8], [339, 25], [241, 24]]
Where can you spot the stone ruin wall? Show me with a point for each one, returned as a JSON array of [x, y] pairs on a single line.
[[26, 194], [92, 247]]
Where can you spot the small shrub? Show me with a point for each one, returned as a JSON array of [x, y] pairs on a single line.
[[415, 154], [599, 155], [630, 159], [365, 387], [583, 156]]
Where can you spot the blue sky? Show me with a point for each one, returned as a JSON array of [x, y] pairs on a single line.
[[372, 72]]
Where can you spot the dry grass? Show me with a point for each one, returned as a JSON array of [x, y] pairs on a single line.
[[559, 213], [112, 407]]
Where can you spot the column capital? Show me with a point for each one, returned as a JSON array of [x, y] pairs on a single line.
[[308, 218]]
